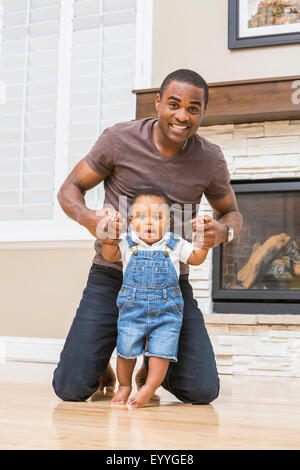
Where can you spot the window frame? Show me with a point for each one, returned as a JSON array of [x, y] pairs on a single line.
[[61, 227]]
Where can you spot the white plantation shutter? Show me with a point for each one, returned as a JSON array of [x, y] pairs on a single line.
[[103, 74], [29, 51], [69, 68]]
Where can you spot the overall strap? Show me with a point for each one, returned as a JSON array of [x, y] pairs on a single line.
[[172, 241], [132, 244]]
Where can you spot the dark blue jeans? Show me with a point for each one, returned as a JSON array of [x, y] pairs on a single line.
[[92, 339]]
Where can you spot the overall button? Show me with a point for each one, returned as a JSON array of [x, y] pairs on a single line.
[[176, 291]]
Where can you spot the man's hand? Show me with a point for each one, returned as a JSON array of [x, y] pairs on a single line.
[[109, 226], [207, 232]]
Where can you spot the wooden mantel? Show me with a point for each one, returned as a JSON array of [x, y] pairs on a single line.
[[264, 99]]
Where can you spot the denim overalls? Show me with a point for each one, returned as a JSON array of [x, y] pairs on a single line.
[[150, 304]]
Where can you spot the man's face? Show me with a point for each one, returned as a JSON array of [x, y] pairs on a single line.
[[180, 111]]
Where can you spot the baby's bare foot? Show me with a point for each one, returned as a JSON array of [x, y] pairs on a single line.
[[121, 396], [140, 380], [142, 397]]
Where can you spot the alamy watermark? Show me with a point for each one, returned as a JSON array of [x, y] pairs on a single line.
[[296, 93], [182, 219]]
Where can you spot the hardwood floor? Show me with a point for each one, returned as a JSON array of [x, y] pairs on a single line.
[[252, 412]]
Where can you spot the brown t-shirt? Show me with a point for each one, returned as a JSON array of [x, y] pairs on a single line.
[[128, 158]]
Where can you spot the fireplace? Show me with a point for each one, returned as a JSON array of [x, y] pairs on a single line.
[[259, 272]]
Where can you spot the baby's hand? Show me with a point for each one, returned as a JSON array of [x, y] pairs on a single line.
[[109, 227], [198, 224]]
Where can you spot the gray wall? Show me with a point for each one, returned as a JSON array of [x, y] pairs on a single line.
[[193, 35]]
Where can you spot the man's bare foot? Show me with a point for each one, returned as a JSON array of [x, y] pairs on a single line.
[[140, 380], [142, 397], [98, 395], [107, 381], [121, 396]]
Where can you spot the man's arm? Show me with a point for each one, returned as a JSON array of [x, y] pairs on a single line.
[[72, 192], [227, 212], [216, 231]]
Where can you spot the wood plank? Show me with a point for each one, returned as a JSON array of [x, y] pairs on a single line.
[[251, 412], [241, 101]]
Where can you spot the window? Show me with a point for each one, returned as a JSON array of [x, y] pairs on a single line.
[[69, 68]]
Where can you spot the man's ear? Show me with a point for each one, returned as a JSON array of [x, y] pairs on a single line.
[[202, 116], [157, 102]]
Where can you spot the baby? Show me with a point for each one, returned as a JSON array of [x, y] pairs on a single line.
[[150, 301]]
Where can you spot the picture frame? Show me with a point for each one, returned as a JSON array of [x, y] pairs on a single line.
[[243, 34]]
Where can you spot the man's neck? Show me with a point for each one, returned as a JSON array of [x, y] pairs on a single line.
[[163, 144]]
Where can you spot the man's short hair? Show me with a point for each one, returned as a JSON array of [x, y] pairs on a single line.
[[186, 76]]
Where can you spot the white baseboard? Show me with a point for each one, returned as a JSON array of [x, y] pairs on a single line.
[[26, 349], [14, 348]]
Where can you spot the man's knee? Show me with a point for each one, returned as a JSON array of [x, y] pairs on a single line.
[[65, 395], [197, 394], [68, 391], [204, 395]]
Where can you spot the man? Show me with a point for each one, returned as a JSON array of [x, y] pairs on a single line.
[[168, 153]]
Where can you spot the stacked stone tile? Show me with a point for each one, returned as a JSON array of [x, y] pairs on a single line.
[[252, 344]]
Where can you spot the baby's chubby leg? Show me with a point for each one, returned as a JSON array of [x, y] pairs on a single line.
[[125, 369], [158, 367]]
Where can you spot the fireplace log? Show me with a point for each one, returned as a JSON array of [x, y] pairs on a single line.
[[293, 267], [260, 257], [292, 255], [292, 250], [255, 247], [278, 270], [297, 269]]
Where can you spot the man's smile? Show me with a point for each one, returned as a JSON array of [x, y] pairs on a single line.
[[179, 126]]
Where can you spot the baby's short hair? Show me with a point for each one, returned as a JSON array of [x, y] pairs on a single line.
[[151, 191]]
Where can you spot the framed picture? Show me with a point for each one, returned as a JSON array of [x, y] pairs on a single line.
[[256, 23]]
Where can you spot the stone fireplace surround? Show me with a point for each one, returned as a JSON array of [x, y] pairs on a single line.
[[269, 148], [252, 344]]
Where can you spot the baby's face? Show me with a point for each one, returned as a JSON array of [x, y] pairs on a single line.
[[150, 218]]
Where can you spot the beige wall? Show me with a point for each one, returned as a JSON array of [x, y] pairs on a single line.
[[193, 35], [41, 289]]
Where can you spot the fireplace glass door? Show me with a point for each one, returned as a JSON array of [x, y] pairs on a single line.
[[263, 262]]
